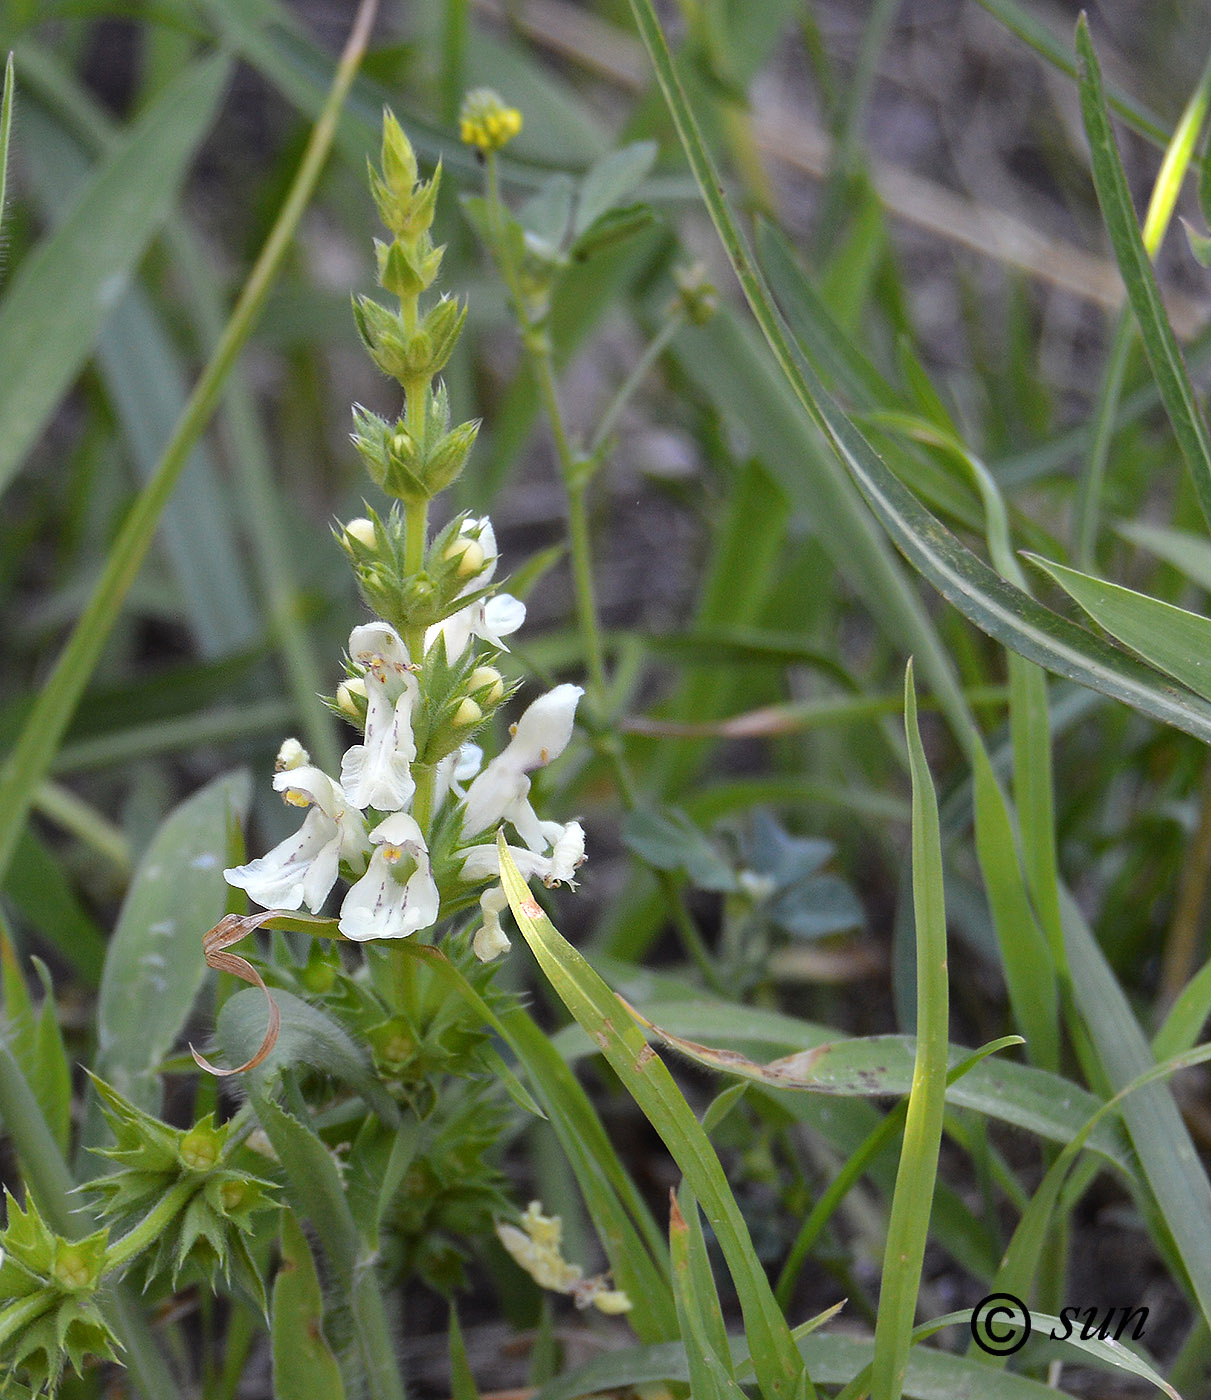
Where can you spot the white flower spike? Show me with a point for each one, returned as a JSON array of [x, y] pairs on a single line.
[[303, 868], [378, 773], [397, 895]]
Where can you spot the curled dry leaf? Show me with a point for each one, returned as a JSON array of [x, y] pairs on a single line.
[[227, 931]]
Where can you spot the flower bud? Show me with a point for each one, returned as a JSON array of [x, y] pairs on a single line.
[[362, 530], [487, 676], [291, 755], [200, 1147], [348, 693], [467, 713], [468, 553], [398, 158]]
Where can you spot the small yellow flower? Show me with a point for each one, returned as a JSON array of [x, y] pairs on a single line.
[[485, 122]]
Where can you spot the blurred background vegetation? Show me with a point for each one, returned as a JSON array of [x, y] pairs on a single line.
[[927, 163]]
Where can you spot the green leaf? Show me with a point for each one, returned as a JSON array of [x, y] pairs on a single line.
[[155, 965], [711, 1373], [305, 1036], [1035, 1100], [908, 1225], [45, 336], [669, 840], [6, 129], [1167, 1155], [609, 181], [40, 890], [303, 1364], [1200, 243], [648, 1080], [1174, 640], [1160, 344]]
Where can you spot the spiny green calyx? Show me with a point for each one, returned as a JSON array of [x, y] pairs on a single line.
[[185, 1204], [48, 1310]]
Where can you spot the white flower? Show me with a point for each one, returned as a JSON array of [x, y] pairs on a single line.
[[454, 771], [303, 868], [397, 894], [378, 773], [558, 867], [501, 791]]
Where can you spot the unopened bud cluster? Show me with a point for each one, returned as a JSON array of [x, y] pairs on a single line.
[[419, 454]]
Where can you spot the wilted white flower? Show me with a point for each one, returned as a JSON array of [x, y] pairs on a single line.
[[303, 868], [537, 1248]]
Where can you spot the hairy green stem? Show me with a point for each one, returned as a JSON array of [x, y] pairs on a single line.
[[148, 1231]]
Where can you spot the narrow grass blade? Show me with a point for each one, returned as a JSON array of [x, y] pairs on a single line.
[[1160, 344], [6, 128], [652, 1086], [908, 1226], [27, 764], [45, 336], [711, 1375], [1171, 639]]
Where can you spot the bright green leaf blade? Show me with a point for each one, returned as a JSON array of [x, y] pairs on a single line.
[[908, 1225], [1173, 640], [155, 965], [6, 128], [303, 1363], [1160, 344], [45, 337], [647, 1079]]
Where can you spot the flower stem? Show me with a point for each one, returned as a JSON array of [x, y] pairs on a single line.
[[153, 1225]]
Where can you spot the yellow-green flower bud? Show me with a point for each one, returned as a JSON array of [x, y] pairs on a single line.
[[698, 297], [467, 713], [362, 530], [467, 553], [487, 676], [347, 695], [485, 122]]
